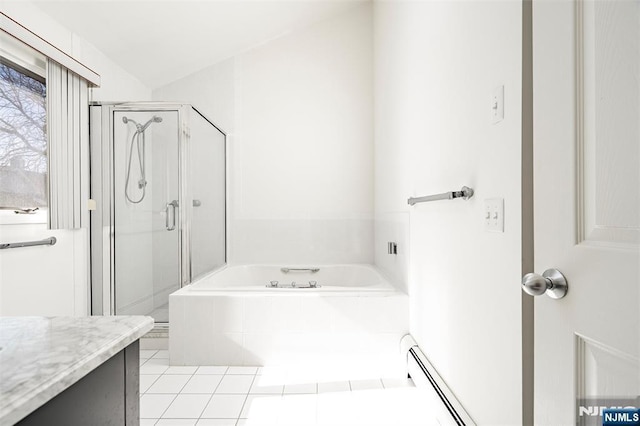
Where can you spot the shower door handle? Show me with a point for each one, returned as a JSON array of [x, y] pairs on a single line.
[[173, 206]]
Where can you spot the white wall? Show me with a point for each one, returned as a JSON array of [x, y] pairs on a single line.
[[54, 280], [298, 113], [436, 65]]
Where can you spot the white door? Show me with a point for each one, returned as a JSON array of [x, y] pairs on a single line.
[[586, 78]]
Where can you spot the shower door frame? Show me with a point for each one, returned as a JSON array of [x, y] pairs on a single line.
[[102, 246]]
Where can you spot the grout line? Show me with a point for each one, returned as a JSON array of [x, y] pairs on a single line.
[[245, 400], [185, 383], [350, 388], [152, 383], [219, 383], [179, 393], [165, 410], [205, 406]]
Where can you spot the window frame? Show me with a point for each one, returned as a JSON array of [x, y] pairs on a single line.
[[19, 56]]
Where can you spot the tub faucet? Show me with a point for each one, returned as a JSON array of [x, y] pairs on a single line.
[[273, 284]]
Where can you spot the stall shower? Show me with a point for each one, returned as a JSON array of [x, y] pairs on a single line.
[[158, 179]]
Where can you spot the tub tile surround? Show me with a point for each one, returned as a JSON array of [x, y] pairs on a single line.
[[286, 330], [282, 396]]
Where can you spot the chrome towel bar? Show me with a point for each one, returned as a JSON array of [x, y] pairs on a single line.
[[465, 193], [46, 242]]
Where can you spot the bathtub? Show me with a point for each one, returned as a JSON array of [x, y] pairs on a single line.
[[354, 318], [360, 279]]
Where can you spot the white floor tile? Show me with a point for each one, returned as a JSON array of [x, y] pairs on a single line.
[[298, 410], [146, 380], [186, 407], [242, 370], [262, 408], [224, 407], [161, 354], [359, 385], [325, 387], [181, 369], [169, 384], [154, 366], [397, 383], [202, 384], [274, 398], [147, 353], [235, 384], [273, 371], [300, 388], [176, 422], [336, 409], [153, 406], [258, 388], [212, 370], [217, 422]]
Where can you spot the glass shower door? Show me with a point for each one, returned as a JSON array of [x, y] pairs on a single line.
[[146, 211], [208, 186]]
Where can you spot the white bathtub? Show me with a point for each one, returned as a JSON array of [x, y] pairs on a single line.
[[363, 279], [354, 319]]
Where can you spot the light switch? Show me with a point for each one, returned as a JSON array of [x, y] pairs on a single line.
[[497, 105], [494, 215]]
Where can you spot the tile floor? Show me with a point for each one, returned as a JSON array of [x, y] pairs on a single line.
[[256, 396]]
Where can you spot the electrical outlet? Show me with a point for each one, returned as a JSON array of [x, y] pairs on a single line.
[[494, 215]]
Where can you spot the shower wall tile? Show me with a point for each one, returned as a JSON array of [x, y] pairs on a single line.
[[280, 241], [300, 173], [393, 227]]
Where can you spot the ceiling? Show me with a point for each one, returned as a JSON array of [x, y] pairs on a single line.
[[161, 41]]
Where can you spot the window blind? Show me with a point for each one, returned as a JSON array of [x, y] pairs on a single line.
[[68, 137]]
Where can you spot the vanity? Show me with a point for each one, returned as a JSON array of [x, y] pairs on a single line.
[[70, 370]]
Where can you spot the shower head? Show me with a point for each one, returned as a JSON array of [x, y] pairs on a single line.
[[142, 127], [154, 119]]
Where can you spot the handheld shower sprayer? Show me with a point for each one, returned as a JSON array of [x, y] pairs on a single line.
[[139, 139]]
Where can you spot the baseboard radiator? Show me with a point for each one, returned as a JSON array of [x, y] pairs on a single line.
[[448, 409]]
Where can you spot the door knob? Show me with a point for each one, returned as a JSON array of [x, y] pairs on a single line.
[[551, 282]]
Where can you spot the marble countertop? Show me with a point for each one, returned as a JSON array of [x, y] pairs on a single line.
[[41, 357]]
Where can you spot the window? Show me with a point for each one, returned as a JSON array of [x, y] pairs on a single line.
[[23, 139]]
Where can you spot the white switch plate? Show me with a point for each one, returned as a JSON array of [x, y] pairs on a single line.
[[497, 105], [494, 215]]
